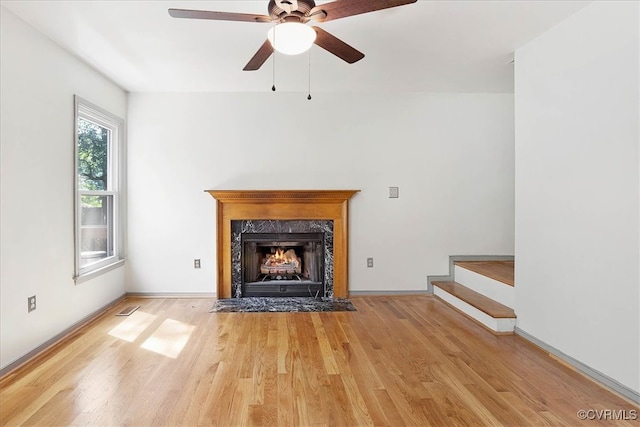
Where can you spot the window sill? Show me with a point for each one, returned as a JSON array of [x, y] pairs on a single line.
[[98, 272]]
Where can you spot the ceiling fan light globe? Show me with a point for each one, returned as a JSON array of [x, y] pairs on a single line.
[[291, 38]]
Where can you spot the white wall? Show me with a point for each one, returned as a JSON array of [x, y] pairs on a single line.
[[38, 81], [452, 156], [577, 189]]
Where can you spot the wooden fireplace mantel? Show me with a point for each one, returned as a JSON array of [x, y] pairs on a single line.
[[283, 205]]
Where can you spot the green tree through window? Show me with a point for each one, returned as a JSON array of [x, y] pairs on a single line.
[[93, 156]]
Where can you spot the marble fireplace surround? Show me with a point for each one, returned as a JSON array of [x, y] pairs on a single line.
[[303, 205]]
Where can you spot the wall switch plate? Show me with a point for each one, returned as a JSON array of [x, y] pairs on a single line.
[[196, 263], [393, 192], [31, 304], [369, 262]]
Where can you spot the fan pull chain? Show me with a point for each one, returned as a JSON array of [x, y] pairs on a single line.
[[309, 96], [273, 86]]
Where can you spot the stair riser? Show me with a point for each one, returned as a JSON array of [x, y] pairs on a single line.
[[497, 291], [501, 325]]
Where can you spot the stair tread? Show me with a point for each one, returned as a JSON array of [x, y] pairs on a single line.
[[479, 301], [502, 271]]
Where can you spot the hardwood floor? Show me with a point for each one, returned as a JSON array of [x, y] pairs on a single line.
[[401, 360]]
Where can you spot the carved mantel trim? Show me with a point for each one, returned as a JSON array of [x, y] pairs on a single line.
[[283, 205]]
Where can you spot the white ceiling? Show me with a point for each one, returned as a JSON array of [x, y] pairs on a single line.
[[444, 45]]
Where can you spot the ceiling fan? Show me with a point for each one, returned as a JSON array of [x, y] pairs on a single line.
[[293, 15]]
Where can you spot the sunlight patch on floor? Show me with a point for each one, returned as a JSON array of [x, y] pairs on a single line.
[[132, 326], [169, 339]]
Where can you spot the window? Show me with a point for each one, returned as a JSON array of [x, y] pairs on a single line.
[[99, 182]]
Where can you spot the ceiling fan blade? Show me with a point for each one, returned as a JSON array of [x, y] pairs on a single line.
[[343, 8], [260, 57], [218, 16], [336, 46]]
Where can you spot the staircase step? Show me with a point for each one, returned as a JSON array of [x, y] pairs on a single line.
[[497, 290], [495, 316], [502, 271], [479, 301]]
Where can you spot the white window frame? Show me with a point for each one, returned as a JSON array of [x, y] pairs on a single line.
[[115, 188]]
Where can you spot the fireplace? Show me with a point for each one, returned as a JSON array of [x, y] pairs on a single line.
[[256, 228]]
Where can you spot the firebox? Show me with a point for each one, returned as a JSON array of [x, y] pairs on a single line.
[[283, 264], [282, 258]]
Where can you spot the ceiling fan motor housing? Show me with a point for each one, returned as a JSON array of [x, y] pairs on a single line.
[[279, 9]]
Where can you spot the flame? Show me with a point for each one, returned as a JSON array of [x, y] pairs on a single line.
[[281, 257]]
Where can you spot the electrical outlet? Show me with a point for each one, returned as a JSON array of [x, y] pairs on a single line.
[[393, 192], [196, 263], [369, 262], [31, 303]]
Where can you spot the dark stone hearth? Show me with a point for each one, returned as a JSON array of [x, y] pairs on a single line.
[[281, 304]]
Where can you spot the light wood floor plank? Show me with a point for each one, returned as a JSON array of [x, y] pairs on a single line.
[[398, 360]]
